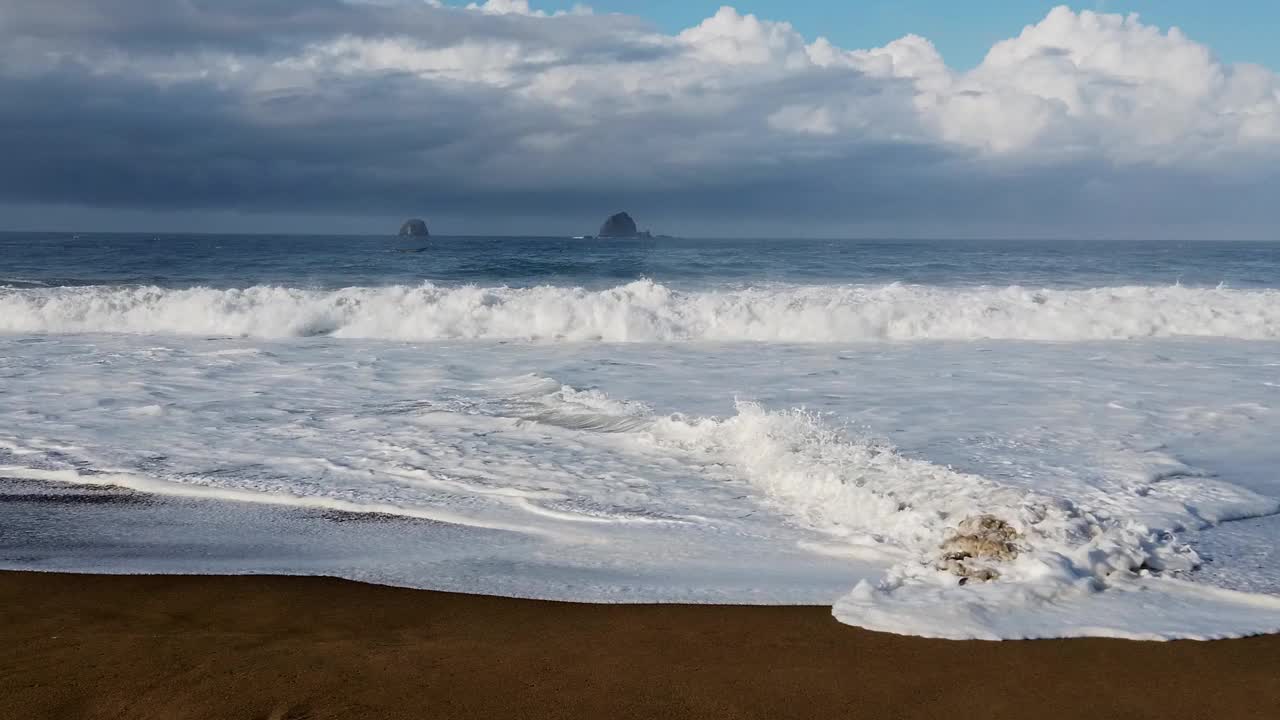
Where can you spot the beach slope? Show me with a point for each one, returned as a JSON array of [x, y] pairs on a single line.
[[269, 647]]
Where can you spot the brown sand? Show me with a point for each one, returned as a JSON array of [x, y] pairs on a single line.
[[259, 647]]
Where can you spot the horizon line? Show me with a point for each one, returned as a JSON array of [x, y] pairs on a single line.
[[784, 238]]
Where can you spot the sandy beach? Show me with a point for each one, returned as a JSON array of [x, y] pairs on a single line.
[[273, 647]]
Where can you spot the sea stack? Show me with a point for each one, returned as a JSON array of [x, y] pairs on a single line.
[[619, 226], [414, 228]]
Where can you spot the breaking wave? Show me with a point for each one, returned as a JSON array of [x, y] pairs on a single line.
[[646, 311], [1062, 568], [974, 558]]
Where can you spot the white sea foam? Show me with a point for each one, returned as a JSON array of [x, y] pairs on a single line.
[[143, 483], [626, 472], [645, 311], [1071, 560]]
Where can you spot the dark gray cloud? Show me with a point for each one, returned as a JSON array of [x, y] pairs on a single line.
[[330, 108], [280, 26]]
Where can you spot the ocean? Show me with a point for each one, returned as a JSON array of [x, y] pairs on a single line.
[[962, 439]]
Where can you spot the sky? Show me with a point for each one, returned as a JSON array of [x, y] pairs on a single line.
[[911, 118], [1239, 30]]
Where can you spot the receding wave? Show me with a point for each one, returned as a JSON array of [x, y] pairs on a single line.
[[962, 555], [646, 311]]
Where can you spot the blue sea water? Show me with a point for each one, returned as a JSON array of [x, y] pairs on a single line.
[[332, 261], [657, 420]]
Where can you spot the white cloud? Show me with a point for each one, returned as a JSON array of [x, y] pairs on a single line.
[[729, 38], [492, 62], [1075, 82], [562, 101], [520, 7], [1111, 84]]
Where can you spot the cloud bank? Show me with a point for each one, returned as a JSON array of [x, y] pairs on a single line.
[[496, 113]]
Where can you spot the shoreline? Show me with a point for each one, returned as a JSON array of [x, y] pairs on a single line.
[[175, 646]]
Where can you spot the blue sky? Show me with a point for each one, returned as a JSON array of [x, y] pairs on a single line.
[[1239, 31]]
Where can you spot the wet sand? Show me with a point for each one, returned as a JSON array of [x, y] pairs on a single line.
[[175, 647]]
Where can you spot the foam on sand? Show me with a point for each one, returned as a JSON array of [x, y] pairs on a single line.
[[965, 557], [1070, 509], [141, 483], [645, 311]]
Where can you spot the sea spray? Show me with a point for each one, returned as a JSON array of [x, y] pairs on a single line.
[[646, 311]]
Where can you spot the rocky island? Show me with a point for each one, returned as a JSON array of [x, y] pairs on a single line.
[[414, 227], [621, 225]]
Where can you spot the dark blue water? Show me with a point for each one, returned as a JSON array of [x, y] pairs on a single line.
[[28, 259]]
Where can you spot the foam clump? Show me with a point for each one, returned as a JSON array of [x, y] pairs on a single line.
[[977, 543]]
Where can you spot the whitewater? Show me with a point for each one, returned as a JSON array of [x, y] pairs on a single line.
[[646, 311], [996, 441]]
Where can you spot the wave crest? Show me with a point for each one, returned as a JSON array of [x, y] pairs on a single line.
[[645, 311]]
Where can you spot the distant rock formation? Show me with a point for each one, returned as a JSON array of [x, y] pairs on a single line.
[[414, 228], [619, 226]]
